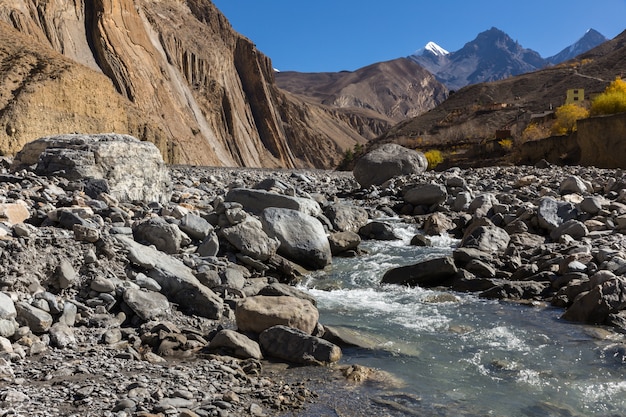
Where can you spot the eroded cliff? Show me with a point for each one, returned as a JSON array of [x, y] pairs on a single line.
[[170, 71]]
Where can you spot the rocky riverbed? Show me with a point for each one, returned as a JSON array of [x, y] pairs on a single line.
[[130, 288]]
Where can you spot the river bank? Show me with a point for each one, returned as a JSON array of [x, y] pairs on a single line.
[[114, 307]]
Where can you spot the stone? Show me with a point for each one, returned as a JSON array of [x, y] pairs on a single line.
[[552, 213], [595, 305], [421, 240], [378, 231], [296, 346], [37, 320], [341, 242], [437, 224], [164, 236], [249, 238], [425, 274], [346, 218], [425, 194], [481, 205], [574, 185], [102, 284], [14, 213], [83, 233], [573, 228], [388, 161], [148, 305], [258, 200], [195, 226], [260, 312], [62, 336], [279, 289], [486, 237], [134, 170], [302, 237], [515, 290], [236, 344], [210, 246], [592, 204], [176, 280], [7, 307]]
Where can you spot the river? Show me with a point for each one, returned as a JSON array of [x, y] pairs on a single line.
[[459, 355]]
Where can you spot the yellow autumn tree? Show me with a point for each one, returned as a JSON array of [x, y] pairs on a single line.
[[566, 117], [612, 100]]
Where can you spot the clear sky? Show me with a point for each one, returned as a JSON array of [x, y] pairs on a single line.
[[335, 35]]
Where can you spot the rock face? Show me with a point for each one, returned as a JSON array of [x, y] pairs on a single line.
[[131, 170], [171, 72], [386, 162]]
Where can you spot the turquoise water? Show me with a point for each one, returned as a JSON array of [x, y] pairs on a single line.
[[457, 354]]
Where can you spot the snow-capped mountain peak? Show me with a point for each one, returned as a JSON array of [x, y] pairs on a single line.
[[433, 49]]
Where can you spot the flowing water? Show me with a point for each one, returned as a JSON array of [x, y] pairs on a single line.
[[459, 355]]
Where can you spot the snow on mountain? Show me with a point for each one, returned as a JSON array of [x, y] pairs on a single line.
[[432, 48]]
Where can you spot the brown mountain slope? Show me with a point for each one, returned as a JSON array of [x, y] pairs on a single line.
[[392, 90], [171, 71], [475, 112]]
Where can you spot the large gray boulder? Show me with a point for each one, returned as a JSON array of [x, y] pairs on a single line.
[[121, 165], [346, 218], [176, 279], [426, 194], [386, 162], [249, 238], [425, 274], [552, 213], [257, 200], [302, 237], [147, 305], [296, 346], [260, 312]]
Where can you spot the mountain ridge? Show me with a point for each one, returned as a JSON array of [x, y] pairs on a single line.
[[494, 55]]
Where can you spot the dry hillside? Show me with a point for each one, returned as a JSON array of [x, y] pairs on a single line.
[[170, 71], [474, 113]]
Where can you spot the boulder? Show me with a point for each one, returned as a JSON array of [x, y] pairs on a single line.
[[485, 236], [425, 194], [177, 281], [257, 200], [62, 336], [236, 344], [388, 161], [148, 305], [278, 289], [341, 242], [574, 185], [195, 226], [573, 228], [346, 218], [255, 314], [515, 290], [552, 213], [431, 273], [302, 237], [164, 236], [438, 223], [14, 213], [595, 306], [39, 321], [7, 307], [249, 238], [296, 346], [378, 231], [133, 170]]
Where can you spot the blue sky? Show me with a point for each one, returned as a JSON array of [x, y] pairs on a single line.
[[325, 35]]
